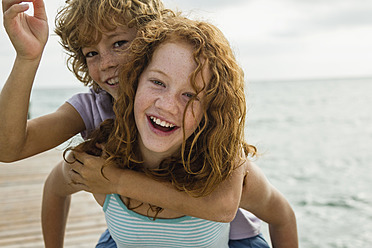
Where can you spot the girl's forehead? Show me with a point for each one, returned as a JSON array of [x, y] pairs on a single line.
[[176, 58]]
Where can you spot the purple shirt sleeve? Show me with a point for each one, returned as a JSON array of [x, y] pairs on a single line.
[[93, 108], [245, 225]]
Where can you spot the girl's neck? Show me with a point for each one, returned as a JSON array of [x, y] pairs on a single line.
[[151, 159]]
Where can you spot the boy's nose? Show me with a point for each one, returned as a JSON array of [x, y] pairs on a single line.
[[107, 61]]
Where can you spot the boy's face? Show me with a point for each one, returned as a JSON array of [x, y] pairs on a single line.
[[164, 90], [104, 58]]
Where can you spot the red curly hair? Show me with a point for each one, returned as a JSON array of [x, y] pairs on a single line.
[[214, 150]]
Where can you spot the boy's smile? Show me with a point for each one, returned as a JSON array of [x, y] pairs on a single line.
[[104, 57]]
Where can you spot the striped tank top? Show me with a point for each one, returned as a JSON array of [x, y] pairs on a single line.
[[130, 229]]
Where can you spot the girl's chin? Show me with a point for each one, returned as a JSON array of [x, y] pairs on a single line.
[[161, 149]]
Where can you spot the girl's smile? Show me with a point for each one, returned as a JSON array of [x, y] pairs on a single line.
[[160, 126], [164, 90]]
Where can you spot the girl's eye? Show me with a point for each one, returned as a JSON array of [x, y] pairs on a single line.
[[157, 83], [191, 95], [120, 43]]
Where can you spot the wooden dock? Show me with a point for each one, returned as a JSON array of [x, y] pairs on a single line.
[[21, 187]]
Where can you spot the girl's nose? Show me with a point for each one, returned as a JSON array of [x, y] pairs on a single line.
[[168, 102]]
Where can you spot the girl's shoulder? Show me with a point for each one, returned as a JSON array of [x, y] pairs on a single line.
[[100, 199]]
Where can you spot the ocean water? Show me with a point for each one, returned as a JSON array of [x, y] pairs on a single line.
[[315, 144]]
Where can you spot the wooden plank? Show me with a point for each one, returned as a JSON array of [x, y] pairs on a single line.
[[21, 187]]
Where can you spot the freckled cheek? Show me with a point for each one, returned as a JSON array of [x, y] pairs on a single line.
[[141, 101], [124, 57], [137, 111], [192, 120], [93, 72]]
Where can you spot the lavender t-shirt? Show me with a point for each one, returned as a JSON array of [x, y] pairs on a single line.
[[245, 225], [94, 108]]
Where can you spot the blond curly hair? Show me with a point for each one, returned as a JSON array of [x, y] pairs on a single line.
[[80, 23]]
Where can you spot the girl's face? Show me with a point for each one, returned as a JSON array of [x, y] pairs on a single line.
[[163, 92], [104, 57]]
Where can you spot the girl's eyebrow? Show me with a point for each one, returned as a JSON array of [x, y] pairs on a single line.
[[159, 72]]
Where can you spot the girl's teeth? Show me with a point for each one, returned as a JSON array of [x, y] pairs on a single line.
[[161, 123]]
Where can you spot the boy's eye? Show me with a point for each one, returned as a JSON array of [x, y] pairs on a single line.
[[120, 43], [90, 54]]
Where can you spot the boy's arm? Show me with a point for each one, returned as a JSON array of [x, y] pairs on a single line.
[[28, 35], [221, 205], [55, 205], [267, 203], [20, 138]]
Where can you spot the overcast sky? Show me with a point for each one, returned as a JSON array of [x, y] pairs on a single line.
[[273, 39]]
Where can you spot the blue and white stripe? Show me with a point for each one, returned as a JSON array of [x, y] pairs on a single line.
[[130, 229]]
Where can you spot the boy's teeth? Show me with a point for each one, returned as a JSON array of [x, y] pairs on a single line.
[[113, 81], [160, 122]]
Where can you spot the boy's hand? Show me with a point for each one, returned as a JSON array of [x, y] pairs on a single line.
[[28, 34], [87, 173]]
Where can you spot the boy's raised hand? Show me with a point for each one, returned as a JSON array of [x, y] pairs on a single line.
[[28, 34]]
